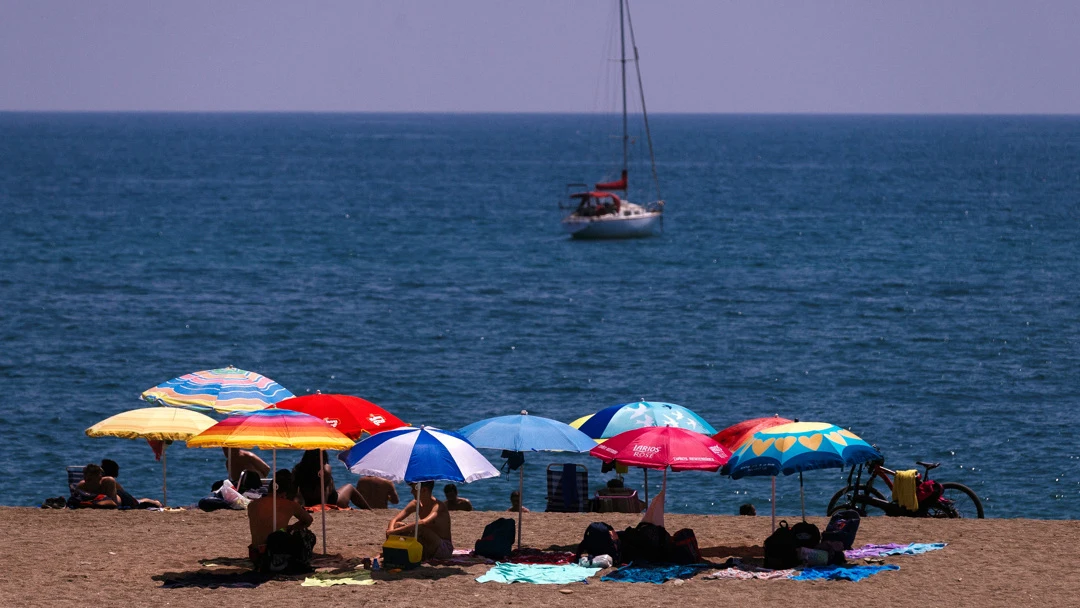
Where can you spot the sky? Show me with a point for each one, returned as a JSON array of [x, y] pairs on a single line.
[[697, 56]]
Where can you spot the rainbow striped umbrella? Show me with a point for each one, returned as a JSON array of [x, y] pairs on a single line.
[[225, 390], [164, 424]]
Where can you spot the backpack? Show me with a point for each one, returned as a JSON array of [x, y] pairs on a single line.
[[684, 548], [599, 539], [927, 492], [842, 528], [497, 541], [647, 542], [806, 534], [780, 548]]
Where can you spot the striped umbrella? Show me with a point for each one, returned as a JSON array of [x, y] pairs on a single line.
[[225, 390], [418, 454], [163, 424], [734, 436], [273, 429]]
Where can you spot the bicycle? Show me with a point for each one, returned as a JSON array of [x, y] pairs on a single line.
[[955, 500]]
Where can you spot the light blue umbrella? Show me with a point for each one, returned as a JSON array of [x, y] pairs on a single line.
[[525, 433], [415, 455]]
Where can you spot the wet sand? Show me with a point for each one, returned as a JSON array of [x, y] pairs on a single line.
[[62, 557]]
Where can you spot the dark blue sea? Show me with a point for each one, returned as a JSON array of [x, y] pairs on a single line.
[[914, 279]]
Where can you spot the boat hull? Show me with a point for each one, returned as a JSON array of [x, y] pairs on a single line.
[[614, 227]]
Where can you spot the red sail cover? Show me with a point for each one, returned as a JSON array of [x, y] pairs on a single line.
[[617, 185]]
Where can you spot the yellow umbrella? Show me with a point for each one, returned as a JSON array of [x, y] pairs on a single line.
[[154, 424]]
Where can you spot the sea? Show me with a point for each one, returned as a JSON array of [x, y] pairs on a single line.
[[915, 279]]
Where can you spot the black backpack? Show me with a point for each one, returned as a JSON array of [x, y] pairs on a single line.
[[806, 534], [684, 548], [780, 548], [647, 542], [497, 542], [599, 539], [842, 528]]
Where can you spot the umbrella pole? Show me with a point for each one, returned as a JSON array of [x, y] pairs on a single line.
[[802, 497], [774, 502], [273, 489], [322, 497], [164, 486], [521, 502], [646, 486]]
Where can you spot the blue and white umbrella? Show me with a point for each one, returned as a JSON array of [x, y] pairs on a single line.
[[525, 433], [616, 419]]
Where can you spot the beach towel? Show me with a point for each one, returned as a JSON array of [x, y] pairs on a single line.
[[329, 579], [904, 489], [320, 507], [644, 573], [537, 574], [213, 580], [892, 549], [536, 556], [841, 573], [739, 574]]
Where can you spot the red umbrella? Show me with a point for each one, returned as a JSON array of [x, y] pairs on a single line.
[[735, 435], [660, 447], [352, 416]]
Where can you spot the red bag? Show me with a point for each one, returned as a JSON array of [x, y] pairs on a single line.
[[928, 492]]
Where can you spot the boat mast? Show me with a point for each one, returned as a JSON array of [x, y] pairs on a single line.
[[625, 131], [644, 112]]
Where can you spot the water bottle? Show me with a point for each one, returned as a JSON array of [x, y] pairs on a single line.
[[375, 565]]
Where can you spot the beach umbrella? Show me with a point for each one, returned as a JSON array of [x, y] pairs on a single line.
[[273, 429], [154, 424], [798, 447], [352, 416], [734, 436], [617, 419], [417, 454], [224, 390], [663, 447], [525, 433]]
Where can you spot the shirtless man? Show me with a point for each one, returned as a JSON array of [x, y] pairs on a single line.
[[99, 491], [261, 515], [434, 532], [515, 503], [377, 492], [453, 502], [237, 461]]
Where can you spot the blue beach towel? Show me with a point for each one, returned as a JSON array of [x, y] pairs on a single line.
[[915, 549], [841, 573], [569, 487], [653, 574], [540, 574]]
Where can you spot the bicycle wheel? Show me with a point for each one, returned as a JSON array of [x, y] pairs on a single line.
[[957, 500], [848, 498]]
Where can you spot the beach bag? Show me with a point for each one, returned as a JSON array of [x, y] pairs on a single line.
[[806, 534], [684, 548], [600, 539], [780, 548], [497, 542], [928, 492], [842, 528], [647, 543]]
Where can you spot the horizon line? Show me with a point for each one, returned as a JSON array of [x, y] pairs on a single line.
[[539, 113]]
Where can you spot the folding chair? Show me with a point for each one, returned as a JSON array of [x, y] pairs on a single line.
[[619, 503], [567, 488], [75, 475]]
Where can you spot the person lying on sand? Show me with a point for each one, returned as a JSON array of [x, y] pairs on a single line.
[[377, 492], [306, 477], [95, 491], [287, 548], [455, 502], [434, 532], [111, 469], [237, 461]]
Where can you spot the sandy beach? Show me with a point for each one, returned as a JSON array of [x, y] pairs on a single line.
[[119, 558]]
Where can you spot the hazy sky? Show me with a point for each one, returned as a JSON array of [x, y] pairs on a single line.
[[910, 56]]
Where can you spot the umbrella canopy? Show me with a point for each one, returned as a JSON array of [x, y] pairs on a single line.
[[616, 419], [797, 447], [224, 390], [660, 447], [413, 454], [734, 436], [352, 416], [272, 429], [525, 433], [153, 423]]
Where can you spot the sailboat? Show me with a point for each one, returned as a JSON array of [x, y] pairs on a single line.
[[601, 212]]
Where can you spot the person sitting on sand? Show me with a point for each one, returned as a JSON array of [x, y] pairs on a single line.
[[95, 491], [377, 492], [287, 548], [515, 503], [237, 461], [747, 509], [455, 502], [110, 468], [434, 531], [306, 477]]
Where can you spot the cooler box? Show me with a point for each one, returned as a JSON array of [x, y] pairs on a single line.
[[402, 552]]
